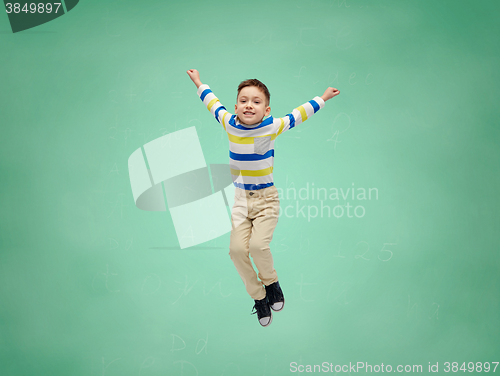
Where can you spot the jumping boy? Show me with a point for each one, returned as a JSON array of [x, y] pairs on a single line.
[[255, 212]]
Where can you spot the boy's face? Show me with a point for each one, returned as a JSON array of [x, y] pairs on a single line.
[[251, 107]]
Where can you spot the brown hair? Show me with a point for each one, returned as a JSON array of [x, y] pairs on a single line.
[[256, 83]]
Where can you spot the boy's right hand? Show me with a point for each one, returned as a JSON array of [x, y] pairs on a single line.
[[195, 77], [330, 93]]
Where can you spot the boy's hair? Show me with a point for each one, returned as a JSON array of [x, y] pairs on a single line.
[[258, 84]]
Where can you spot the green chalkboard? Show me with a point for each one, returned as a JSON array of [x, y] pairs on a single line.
[[387, 246]]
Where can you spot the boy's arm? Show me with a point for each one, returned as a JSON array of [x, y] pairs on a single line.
[[304, 112], [209, 99], [213, 105]]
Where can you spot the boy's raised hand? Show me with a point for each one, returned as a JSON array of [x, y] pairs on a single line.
[[330, 93], [195, 76]]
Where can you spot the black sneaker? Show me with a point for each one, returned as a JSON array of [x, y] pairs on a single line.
[[263, 312], [275, 296]]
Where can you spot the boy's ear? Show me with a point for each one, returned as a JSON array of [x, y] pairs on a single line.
[[268, 110], [235, 108]]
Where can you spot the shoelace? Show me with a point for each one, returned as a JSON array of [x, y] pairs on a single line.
[[257, 307]]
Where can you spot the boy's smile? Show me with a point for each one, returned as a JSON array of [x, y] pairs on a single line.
[[251, 107]]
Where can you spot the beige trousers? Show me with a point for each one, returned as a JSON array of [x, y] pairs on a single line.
[[254, 217]]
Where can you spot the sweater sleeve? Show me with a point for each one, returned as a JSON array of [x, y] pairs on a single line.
[[213, 105], [300, 114]]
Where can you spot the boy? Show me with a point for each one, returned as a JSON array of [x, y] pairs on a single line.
[[255, 212]]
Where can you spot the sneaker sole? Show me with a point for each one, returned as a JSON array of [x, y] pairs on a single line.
[[270, 321], [281, 309]]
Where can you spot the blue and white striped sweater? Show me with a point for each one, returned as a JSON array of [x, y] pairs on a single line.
[[251, 147]]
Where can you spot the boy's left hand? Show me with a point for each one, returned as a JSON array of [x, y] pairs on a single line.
[[330, 93]]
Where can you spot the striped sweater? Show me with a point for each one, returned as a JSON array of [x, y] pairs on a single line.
[[251, 147]]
